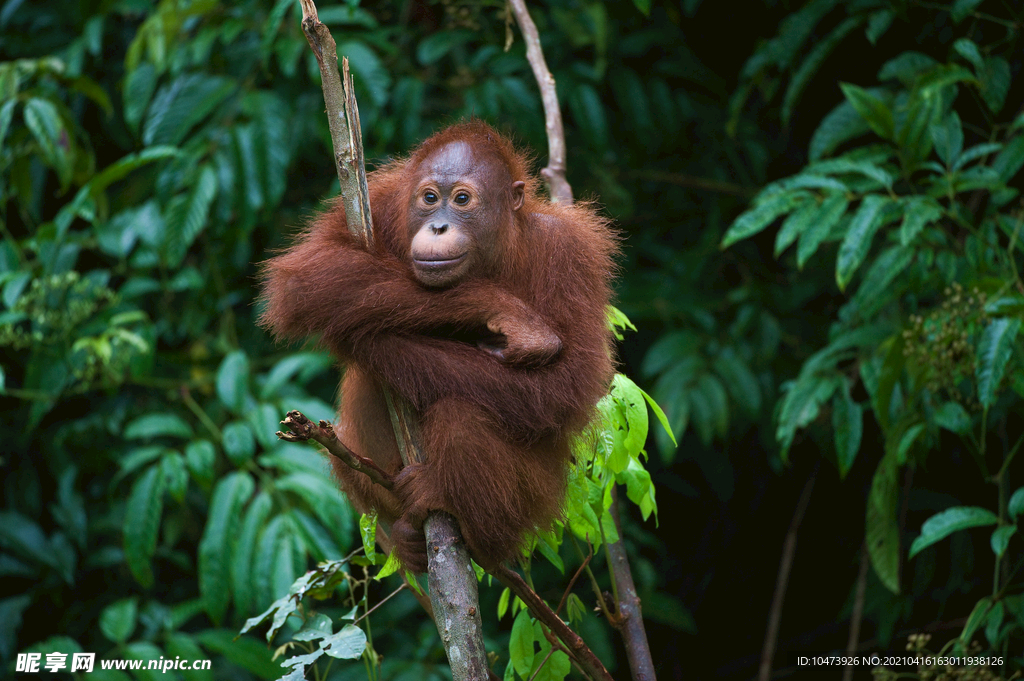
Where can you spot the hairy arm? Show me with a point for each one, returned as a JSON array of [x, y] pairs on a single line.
[[330, 284]]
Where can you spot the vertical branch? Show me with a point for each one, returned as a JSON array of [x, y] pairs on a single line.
[[453, 586], [628, 617], [554, 173], [631, 621]]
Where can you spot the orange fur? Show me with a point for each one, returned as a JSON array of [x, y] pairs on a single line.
[[496, 435]]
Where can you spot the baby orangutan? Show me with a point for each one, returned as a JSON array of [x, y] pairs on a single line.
[[480, 303]]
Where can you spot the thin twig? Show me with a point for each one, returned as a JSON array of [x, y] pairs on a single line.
[[575, 647], [554, 173], [572, 583], [858, 610], [785, 565], [302, 429]]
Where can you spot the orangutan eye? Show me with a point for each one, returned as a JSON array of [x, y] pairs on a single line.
[[462, 198], [430, 197]]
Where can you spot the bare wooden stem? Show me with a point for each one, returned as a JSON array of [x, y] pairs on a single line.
[[764, 672], [302, 429], [554, 173], [453, 586], [576, 648], [628, 617]]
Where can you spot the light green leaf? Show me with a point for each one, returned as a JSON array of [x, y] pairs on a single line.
[[969, 51], [857, 241], [977, 617], [142, 516], [907, 440], [347, 644], [878, 23], [943, 524], [520, 644], [798, 222], [994, 351], [241, 562], [138, 90], [953, 417]]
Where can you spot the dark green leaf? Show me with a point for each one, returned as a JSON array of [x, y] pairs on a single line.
[[246, 652], [117, 621], [216, 548], [948, 138], [842, 124], [756, 219], [962, 8], [918, 212], [138, 90], [238, 442], [994, 351], [181, 105], [943, 524], [437, 45], [798, 222], [142, 516], [157, 425], [1016, 505], [1010, 160], [848, 424], [857, 241], [1001, 539], [882, 532], [233, 381], [871, 109], [812, 62]]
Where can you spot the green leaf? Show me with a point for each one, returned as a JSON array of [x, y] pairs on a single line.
[[872, 109], [962, 8], [857, 241], [994, 351], [995, 82], [181, 105], [756, 219], [798, 222], [233, 381], [1010, 160], [953, 417], [390, 567], [241, 562], [1001, 539], [117, 621], [246, 652], [347, 644], [812, 62], [658, 413], [368, 533], [848, 424], [877, 290], [157, 425], [740, 381], [842, 124], [943, 524], [906, 67], [44, 121], [948, 138], [907, 441], [437, 45], [832, 209], [1016, 505], [969, 51], [216, 547], [882, 532], [520, 644], [187, 215], [6, 114], [977, 617], [238, 442], [918, 212], [878, 23], [199, 458], [644, 6], [138, 90], [142, 516]]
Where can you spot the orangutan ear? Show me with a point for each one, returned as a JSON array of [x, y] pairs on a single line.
[[518, 194]]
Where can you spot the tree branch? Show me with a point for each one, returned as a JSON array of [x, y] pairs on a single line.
[[554, 173], [627, 615], [453, 586], [577, 649], [303, 429]]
